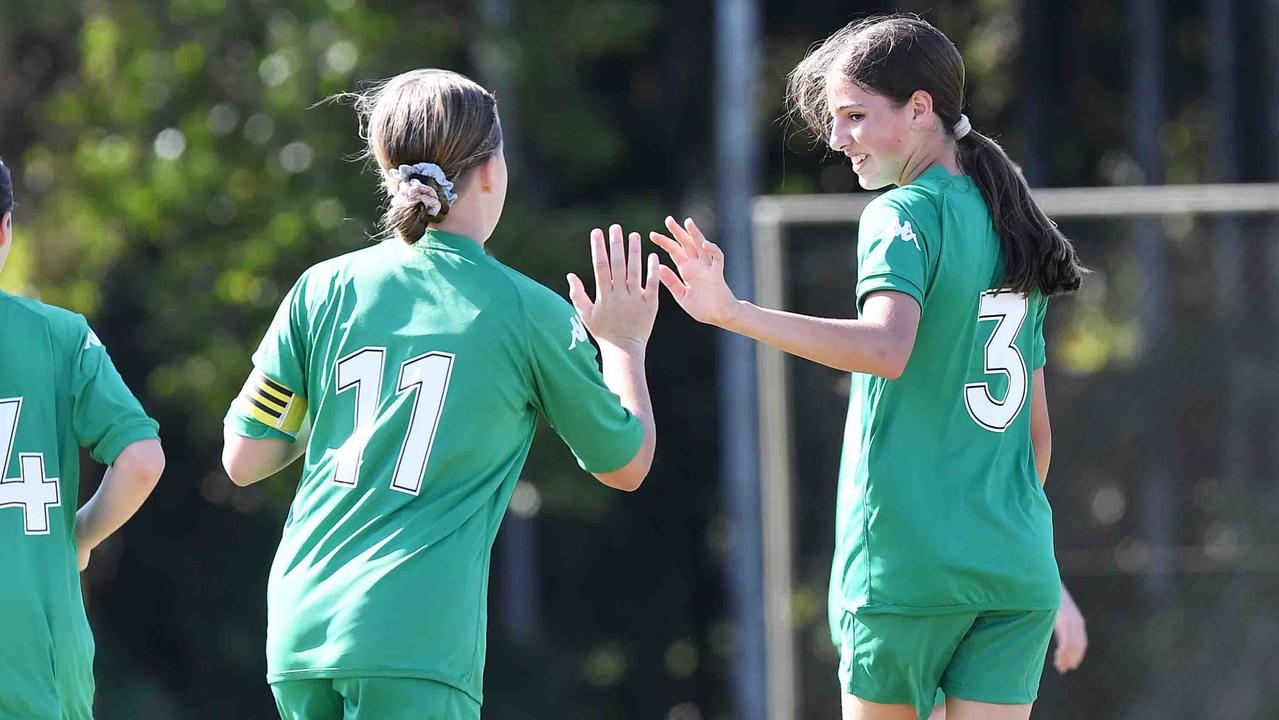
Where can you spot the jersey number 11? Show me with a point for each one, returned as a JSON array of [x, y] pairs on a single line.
[[427, 376]]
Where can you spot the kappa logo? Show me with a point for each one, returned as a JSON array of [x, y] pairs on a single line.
[[579, 332], [91, 341], [904, 231]]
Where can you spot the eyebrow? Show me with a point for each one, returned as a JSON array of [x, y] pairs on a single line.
[[846, 106]]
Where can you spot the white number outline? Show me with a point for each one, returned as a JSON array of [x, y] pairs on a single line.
[[419, 439], [30, 467], [989, 412]]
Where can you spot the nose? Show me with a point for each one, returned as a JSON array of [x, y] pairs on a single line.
[[839, 137]]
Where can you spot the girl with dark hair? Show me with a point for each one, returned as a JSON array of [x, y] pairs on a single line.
[[59, 392], [948, 419]]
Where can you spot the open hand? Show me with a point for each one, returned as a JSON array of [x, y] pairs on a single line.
[[624, 307], [699, 287]]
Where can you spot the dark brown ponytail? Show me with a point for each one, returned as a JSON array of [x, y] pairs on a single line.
[[6, 189], [1036, 253]]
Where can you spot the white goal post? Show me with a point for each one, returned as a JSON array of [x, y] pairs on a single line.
[[770, 216]]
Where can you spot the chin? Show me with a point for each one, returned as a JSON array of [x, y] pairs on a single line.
[[870, 183]]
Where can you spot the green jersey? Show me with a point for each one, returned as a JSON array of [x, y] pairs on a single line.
[[940, 507], [58, 392], [422, 370]]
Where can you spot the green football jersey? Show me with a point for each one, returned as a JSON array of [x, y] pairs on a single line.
[[939, 506], [58, 392], [422, 370]]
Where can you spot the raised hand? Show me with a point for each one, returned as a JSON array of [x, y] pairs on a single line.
[[625, 306], [699, 287]]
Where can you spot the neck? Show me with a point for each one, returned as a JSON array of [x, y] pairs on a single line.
[[941, 151], [466, 219]]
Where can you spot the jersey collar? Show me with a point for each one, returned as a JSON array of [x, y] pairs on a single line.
[[938, 174], [438, 240]]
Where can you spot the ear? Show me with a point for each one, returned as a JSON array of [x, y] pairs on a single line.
[[484, 173], [921, 107]]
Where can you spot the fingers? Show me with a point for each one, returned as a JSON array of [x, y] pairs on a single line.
[[706, 247], [599, 259], [672, 282], [577, 295], [1071, 643], [617, 255], [672, 248], [691, 249], [654, 267], [633, 263]]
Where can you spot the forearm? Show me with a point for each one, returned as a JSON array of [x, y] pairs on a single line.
[[125, 486], [623, 368], [844, 344]]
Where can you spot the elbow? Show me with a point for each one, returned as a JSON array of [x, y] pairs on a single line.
[[237, 469], [144, 460], [892, 363], [627, 479]]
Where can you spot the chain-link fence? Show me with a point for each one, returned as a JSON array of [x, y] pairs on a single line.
[[1162, 385]]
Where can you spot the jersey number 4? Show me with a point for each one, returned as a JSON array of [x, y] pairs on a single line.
[[427, 377], [1008, 310], [31, 491]]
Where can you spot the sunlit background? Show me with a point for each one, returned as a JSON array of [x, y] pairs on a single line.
[[177, 166]]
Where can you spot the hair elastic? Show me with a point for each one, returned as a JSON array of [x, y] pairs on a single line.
[[963, 127]]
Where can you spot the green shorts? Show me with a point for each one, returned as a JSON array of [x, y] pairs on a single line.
[[993, 657], [372, 698]]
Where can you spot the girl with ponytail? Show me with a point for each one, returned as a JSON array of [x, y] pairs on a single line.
[[944, 574]]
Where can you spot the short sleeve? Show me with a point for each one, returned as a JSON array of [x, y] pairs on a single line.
[[105, 415], [1038, 354], [892, 251], [273, 402], [570, 391]]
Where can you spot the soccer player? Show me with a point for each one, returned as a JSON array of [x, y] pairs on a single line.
[[58, 392], [948, 418], [411, 374]]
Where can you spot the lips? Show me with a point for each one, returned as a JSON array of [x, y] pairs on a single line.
[[858, 159]]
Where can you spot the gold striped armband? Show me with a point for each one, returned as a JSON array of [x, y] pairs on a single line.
[[272, 404]]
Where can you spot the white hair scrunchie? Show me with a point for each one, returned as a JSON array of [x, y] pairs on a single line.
[[963, 127], [411, 191]]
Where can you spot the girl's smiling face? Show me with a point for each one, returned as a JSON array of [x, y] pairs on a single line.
[[875, 133]]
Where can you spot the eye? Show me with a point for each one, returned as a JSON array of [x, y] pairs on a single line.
[[856, 116]]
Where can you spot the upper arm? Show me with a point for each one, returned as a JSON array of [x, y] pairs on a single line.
[[895, 246], [105, 415], [266, 419], [897, 314], [248, 460], [569, 389]]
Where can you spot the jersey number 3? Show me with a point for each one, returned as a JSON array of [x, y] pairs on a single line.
[[31, 491], [1008, 310], [427, 377]]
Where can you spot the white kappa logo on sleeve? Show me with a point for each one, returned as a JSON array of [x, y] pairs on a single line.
[[91, 341], [904, 231], [578, 332]]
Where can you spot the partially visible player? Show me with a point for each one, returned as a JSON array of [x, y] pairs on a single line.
[[411, 375], [59, 392], [1071, 636], [948, 415]]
